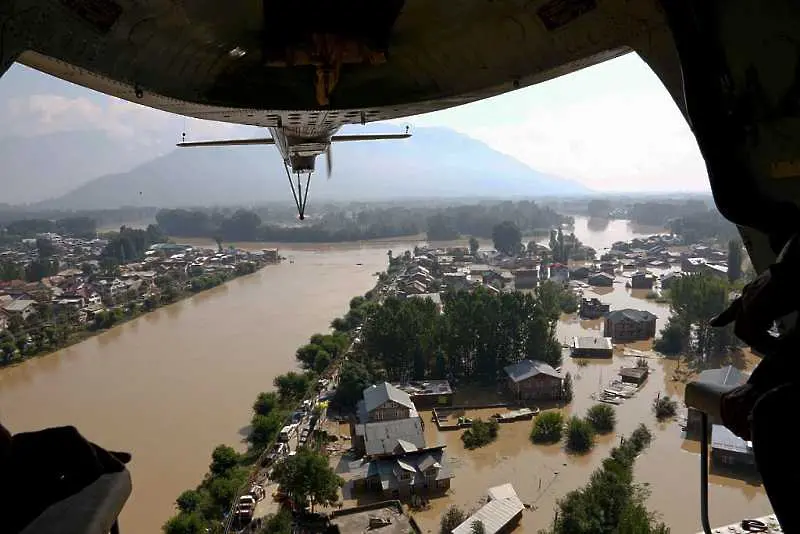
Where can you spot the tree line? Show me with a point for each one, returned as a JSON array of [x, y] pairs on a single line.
[[359, 223], [478, 334], [306, 476], [694, 300]]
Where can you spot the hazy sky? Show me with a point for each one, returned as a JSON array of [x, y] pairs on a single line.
[[612, 127]]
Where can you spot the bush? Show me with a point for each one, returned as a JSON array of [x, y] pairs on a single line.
[[547, 428], [602, 417], [453, 517], [641, 438], [664, 408], [480, 433], [580, 435], [280, 523]]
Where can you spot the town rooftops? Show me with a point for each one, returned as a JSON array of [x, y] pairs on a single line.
[[724, 376], [631, 315], [528, 368], [495, 514], [377, 394], [428, 387]]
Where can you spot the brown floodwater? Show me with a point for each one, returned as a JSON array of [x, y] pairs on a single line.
[[173, 384]]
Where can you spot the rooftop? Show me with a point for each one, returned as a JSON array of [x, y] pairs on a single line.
[[503, 506], [357, 519], [631, 315], [724, 376], [526, 369], [385, 436], [600, 343], [429, 387], [724, 439], [378, 394]]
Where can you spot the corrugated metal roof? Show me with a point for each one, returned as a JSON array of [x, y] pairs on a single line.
[[528, 368], [377, 394], [494, 515], [724, 439], [503, 491], [383, 437], [724, 376]]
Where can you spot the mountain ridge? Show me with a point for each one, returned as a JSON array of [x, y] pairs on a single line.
[[435, 162]]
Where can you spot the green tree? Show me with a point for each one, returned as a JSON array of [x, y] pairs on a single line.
[[477, 527], [185, 524], [189, 501], [307, 478], [580, 435], [674, 337], [223, 459], [278, 523], [507, 238], [480, 433], [547, 428], [264, 429], [265, 403], [602, 417], [611, 503], [734, 260], [354, 378], [664, 408], [474, 245], [694, 301], [10, 271], [292, 386], [453, 517]]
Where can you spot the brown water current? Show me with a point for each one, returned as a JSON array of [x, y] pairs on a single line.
[[175, 383]]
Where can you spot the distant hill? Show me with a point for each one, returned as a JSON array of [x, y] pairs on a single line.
[[434, 163], [46, 166]]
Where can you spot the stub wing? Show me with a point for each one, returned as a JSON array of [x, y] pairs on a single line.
[[231, 142]]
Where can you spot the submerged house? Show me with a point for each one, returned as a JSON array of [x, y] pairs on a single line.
[[593, 309], [387, 423], [533, 379], [421, 472], [592, 347], [601, 280], [627, 325], [729, 451]]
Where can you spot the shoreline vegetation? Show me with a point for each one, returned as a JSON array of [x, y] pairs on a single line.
[[204, 508], [50, 336]]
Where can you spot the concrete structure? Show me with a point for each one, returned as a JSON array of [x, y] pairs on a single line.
[[642, 280], [428, 394], [634, 375], [531, 379], [627, 325], [592, 347], [593, 309], [363, 519]]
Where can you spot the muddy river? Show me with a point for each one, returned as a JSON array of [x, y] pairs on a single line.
[[173, 384]]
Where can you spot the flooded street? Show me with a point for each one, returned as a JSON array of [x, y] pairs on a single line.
[[174, 383]]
